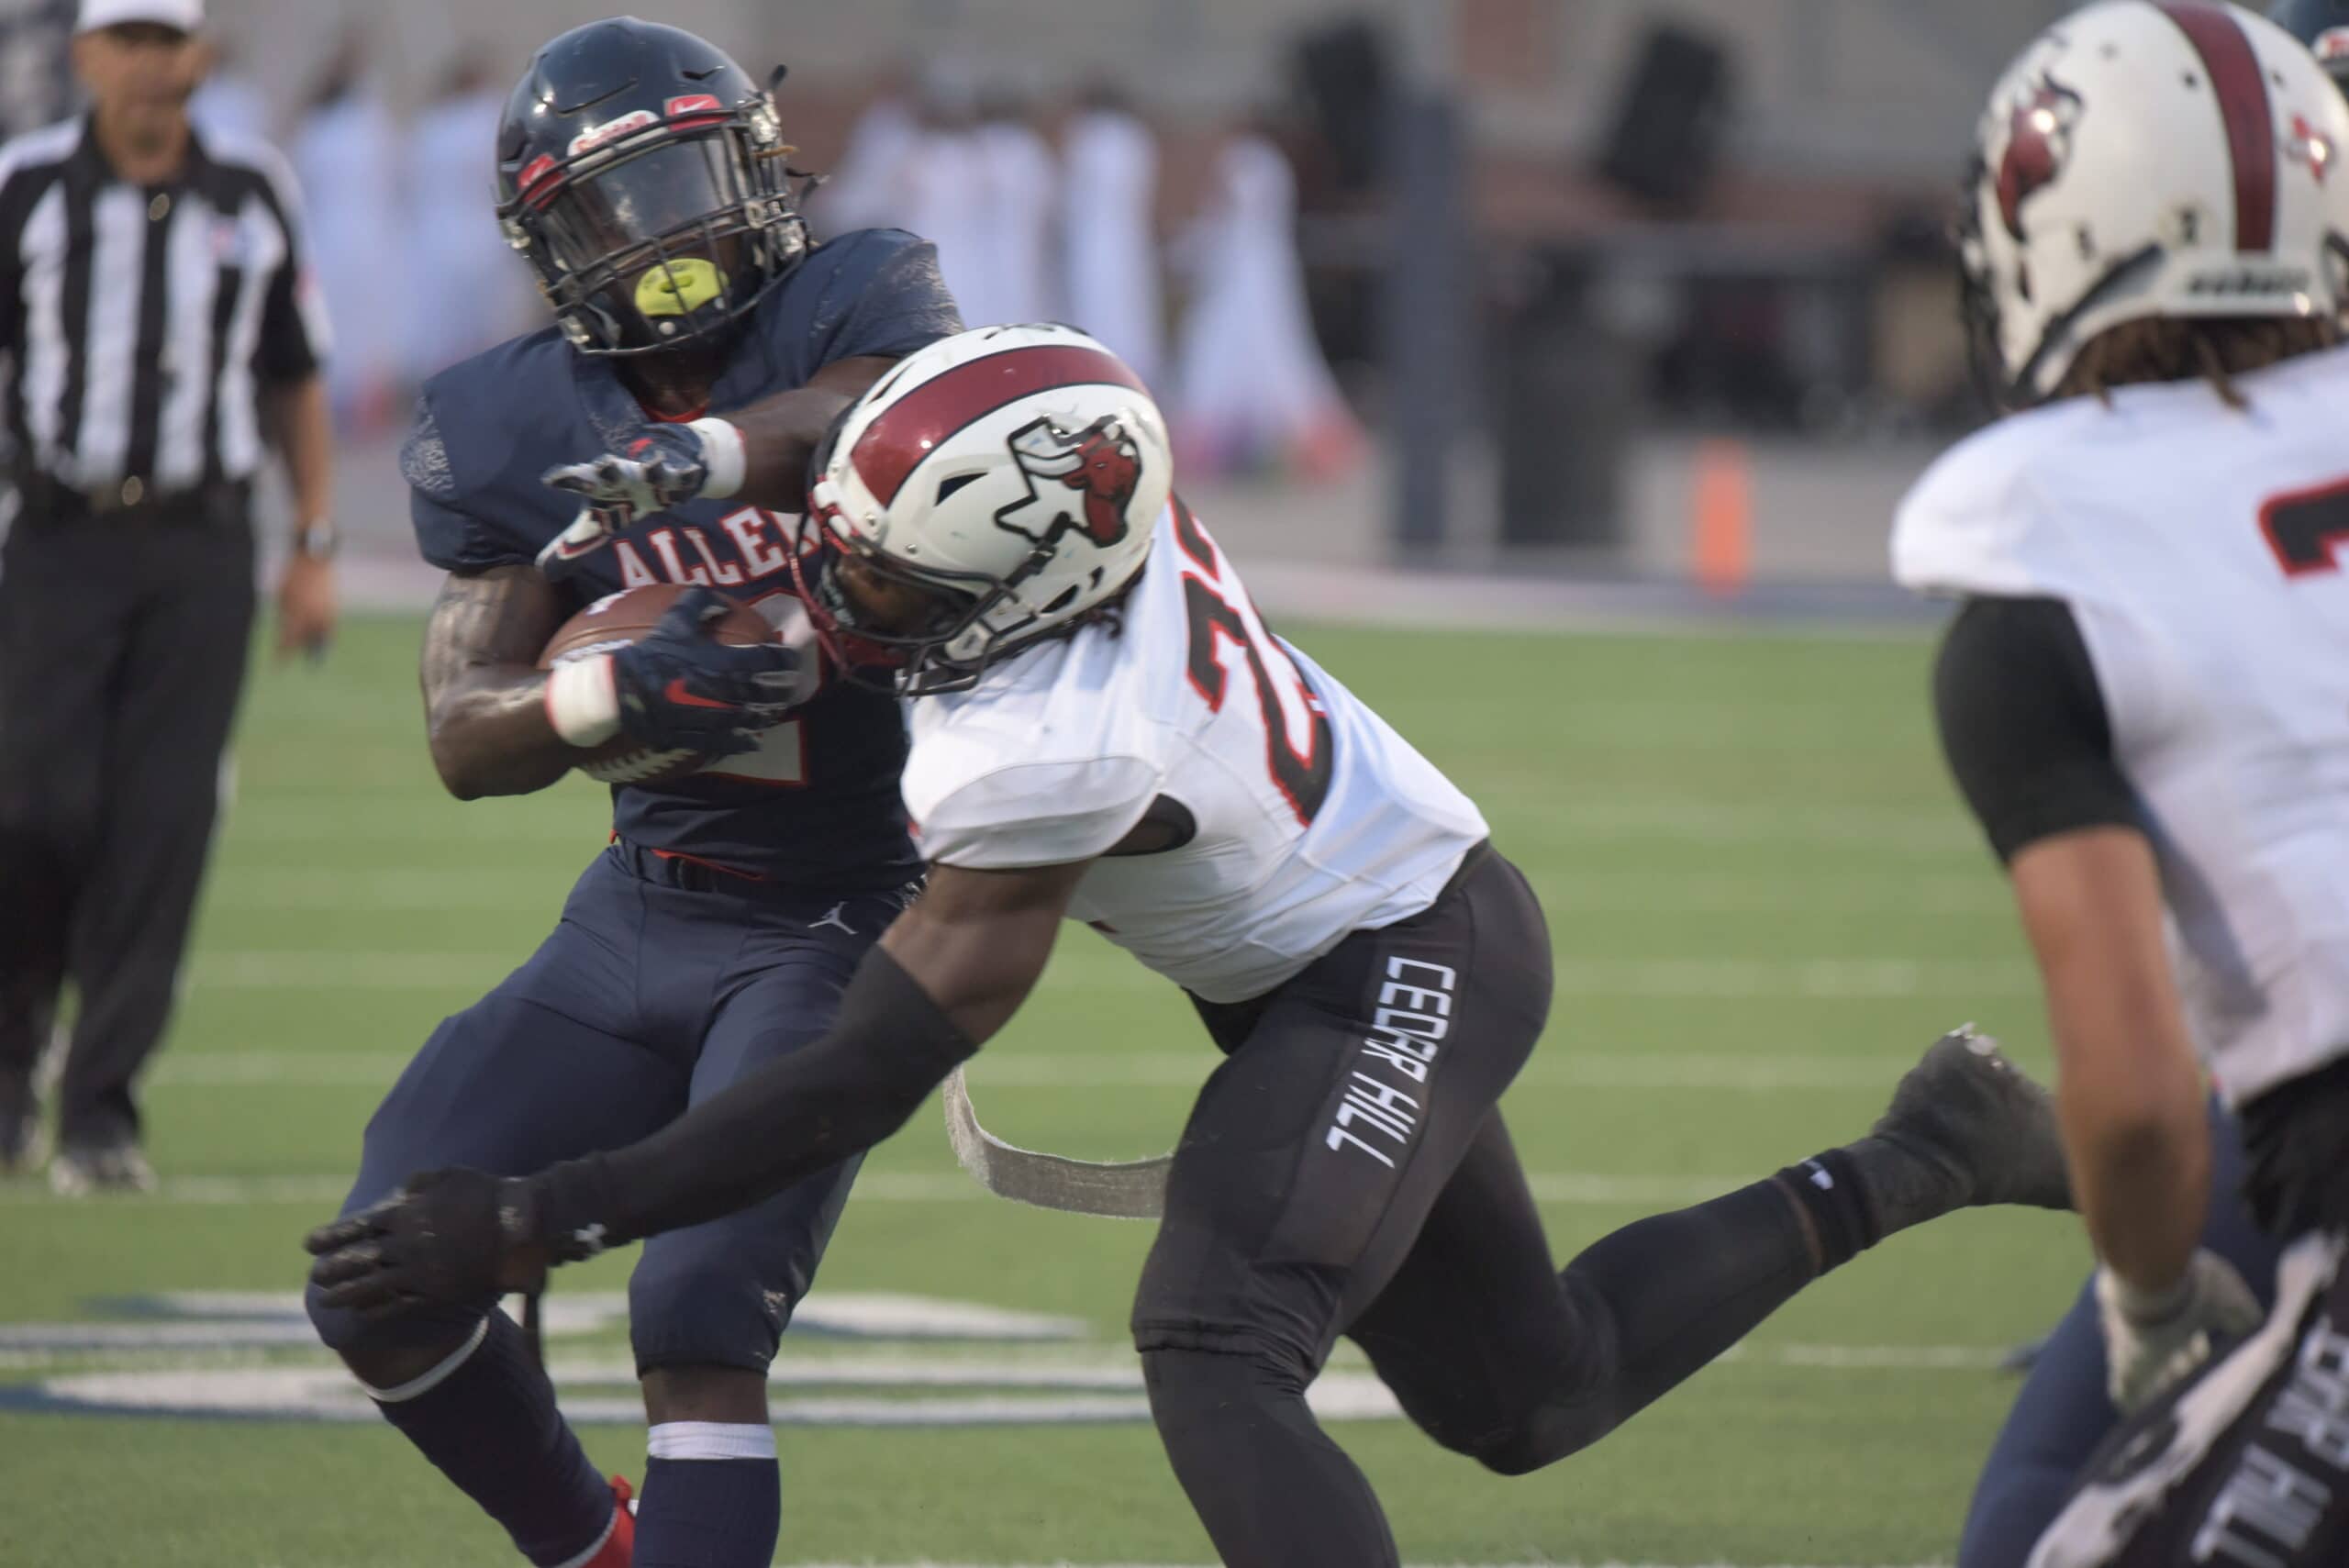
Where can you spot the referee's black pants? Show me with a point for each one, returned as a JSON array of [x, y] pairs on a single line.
[[123, 642]]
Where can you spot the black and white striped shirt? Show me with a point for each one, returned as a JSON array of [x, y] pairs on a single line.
[[145, 321]]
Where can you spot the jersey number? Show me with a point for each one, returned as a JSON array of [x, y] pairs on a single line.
[[2307, 528], [1215, 620]]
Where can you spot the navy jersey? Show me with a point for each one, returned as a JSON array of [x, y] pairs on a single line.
[[818, 806]]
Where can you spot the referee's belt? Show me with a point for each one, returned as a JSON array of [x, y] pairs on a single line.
[[46, 501]]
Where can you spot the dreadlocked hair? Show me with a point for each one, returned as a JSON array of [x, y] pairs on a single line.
[[2216, 349]]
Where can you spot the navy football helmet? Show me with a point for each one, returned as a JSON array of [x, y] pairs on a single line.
[[642, 174], [2323, 25]]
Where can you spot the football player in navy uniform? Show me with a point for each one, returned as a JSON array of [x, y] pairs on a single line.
[[642, 175]]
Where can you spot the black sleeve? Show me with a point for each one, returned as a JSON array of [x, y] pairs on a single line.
[[293, 345], [838, 1096], [2023, 724]]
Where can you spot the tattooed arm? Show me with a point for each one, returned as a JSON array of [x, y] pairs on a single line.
[[484, 697]]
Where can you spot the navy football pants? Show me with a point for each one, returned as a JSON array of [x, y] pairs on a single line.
[[647, 997], [2062, 1414]]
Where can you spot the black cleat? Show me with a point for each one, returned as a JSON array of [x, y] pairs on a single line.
[[1978, 1121]]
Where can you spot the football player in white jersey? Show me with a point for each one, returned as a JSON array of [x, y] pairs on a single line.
[[1103, 729], [2145, 699]]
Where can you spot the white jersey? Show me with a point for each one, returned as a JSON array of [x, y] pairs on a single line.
[[2201, 552], [1308, 817]]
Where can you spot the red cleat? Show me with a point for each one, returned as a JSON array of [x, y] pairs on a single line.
[[618, 1548]]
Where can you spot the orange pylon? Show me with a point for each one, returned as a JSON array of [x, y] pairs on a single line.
[[1720, 552]]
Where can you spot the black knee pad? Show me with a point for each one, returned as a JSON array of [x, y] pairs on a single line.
[[1275, 1358], [1193, 1387]]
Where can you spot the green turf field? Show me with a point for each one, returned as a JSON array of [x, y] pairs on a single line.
[[1764, 902]]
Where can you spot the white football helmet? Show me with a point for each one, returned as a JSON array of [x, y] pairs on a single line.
[[2149, 158], [1015, 472]]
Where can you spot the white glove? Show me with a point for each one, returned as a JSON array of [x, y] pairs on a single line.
[[2155, 1340]]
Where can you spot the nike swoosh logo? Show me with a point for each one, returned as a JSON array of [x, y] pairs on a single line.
[[677, 695]]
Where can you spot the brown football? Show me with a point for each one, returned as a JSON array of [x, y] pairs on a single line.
[[616, 620]]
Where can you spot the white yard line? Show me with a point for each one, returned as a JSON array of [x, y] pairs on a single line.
[[1565, 1188], [1814, 979], [1742, 1072], [1891, 892]]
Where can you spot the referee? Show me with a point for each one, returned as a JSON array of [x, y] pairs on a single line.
[[155, 304]]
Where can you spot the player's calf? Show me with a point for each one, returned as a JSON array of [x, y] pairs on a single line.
[[705, 1326], [474, 1401], [713, 1497], [1250, 1455]]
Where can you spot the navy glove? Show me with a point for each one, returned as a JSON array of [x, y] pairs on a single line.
[[680, 689], [452, 1238]]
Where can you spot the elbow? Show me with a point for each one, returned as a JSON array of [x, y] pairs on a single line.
[[458, 780], [460, 775], [2144, 1119]]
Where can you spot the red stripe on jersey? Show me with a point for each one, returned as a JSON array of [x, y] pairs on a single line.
[[894, 445], [2241, 88]]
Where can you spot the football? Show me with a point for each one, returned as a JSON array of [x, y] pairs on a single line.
[[616, 620]]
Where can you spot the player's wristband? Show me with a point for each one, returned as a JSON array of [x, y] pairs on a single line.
[[583, 704], [722, 457]]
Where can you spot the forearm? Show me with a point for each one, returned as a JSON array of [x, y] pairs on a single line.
[[485, 699], [2129, 1087], [815, 1107], [779, 437], [490, 733], [780, 434], [304, 431], [2137, 1138]]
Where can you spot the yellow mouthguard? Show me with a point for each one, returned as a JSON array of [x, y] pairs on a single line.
[[679, 287]]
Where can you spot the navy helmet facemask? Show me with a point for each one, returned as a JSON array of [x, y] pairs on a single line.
[[643, 176]]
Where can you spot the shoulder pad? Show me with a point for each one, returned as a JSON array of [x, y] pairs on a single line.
[[873, 292], [1975, 523]]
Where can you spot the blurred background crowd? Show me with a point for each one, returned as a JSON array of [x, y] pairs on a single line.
[[1582, 279]]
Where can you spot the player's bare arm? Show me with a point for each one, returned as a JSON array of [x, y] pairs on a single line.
[[950, 972], [780, 434], [485, 698], [498, 725], [2128, 1090], [2025, 723]]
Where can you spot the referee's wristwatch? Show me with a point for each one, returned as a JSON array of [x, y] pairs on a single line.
[[319, 541]]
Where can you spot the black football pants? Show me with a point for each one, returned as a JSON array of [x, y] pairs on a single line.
[[122, 650], [1346, 1169]]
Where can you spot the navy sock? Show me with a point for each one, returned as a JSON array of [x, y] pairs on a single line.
[[709, 1513], [492, 1426]]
